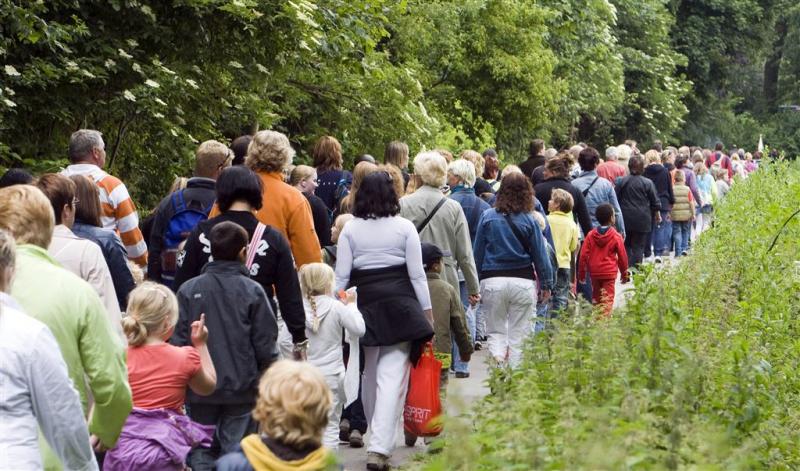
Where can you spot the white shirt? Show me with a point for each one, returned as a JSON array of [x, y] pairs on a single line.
[[37, 393], [85, 259], [325, 345], [380, 243]]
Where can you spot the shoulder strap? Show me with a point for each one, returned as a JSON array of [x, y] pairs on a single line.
[[526, 245], [422, 226], [586, 191], [251, 249]]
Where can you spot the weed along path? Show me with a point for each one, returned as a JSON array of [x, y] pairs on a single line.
[[462, 394]]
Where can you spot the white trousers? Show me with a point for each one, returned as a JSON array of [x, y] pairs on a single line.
[[509, 305], [386, 373], [331, 438]]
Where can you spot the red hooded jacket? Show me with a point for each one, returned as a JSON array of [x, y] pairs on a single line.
[[603, 254]]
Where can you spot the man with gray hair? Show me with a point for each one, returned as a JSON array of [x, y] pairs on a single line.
[[87, 155], [611, 170]]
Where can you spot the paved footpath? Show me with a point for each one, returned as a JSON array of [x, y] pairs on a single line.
[[460, 393]]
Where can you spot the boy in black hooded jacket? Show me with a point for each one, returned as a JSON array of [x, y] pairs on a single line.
[[237, 309]]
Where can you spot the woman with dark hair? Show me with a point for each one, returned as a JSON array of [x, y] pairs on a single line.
[[379, 252], [239, 196], [508, 246], [334, 183], [88, 226], [640, 206]]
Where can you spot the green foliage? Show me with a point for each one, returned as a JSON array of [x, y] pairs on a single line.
[[699, 371]]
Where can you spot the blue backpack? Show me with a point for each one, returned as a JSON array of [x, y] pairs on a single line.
[[180, 225]]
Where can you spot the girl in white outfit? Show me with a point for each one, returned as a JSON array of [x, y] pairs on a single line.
[[325, 319]]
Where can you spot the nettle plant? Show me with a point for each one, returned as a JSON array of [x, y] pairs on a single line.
[[699, 370]]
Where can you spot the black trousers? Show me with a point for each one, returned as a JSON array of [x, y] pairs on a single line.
[[635, 244], [354, 413]]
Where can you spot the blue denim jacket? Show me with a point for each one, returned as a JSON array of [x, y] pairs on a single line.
[[497, 248]]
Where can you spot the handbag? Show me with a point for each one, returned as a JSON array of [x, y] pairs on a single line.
[[423, 408]]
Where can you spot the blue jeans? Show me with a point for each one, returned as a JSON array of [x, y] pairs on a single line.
[[681, 231], [233, 422], [561, 292], [458, 365], [662, 235]]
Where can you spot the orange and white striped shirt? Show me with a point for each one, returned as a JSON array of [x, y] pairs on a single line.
[[119, 212]]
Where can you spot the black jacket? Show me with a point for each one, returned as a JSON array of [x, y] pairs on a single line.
[[242, 330], [199, 193], [661, 178], [637, 199], [530, 165], [322, 222], [272, 267], [580, 211]]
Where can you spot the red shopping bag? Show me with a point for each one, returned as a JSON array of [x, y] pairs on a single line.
[[421, 414]]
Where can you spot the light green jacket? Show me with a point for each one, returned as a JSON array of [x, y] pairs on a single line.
[[91, 349], [447, 229]]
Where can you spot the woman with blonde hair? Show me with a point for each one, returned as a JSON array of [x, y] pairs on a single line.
[[326, 319], [292, 409], [334, 183], [305, 179], [441, 221], [482, 188], [159, 374], [396, 154], [284, 207], [362, 170]]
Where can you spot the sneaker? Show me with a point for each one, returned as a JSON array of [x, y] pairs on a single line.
[[377, 461], [657, 259], [344, 431], [356, 440], [410, 439], [478, 346], [461, 374]]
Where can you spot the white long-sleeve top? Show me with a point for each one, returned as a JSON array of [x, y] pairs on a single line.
[[325, 345], [381, 243], [85, 259], [36, 392]]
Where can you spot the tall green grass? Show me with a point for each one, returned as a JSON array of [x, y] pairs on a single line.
[[700, 370]]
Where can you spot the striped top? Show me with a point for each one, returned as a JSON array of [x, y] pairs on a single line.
[[119, 212]]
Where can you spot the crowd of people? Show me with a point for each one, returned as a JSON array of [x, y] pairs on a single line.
[[265, 314]]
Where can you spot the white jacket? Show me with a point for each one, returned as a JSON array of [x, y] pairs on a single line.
[[85, 259], [325, 345]]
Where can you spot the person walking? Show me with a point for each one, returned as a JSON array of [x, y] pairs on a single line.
[[379, 253], [661, 237], [87, 156], [509, 255], [640, 206]]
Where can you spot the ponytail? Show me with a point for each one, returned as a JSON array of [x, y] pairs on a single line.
[[135, 332]]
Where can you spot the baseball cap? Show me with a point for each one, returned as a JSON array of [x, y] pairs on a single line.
[[431, 253]]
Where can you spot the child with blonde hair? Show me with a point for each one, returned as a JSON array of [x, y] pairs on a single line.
[[565, 239], [159, 374], [326, 317], [292, 409], [329, 251]]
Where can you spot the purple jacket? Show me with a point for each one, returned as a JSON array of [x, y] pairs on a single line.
[[155, 440], [691, 182]]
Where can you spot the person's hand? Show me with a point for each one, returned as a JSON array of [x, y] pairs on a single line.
[[545, 296], [474, 299], [349, 296], [658, 218], [97, 445], [299, 351], [465, 357], [199, 331]]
